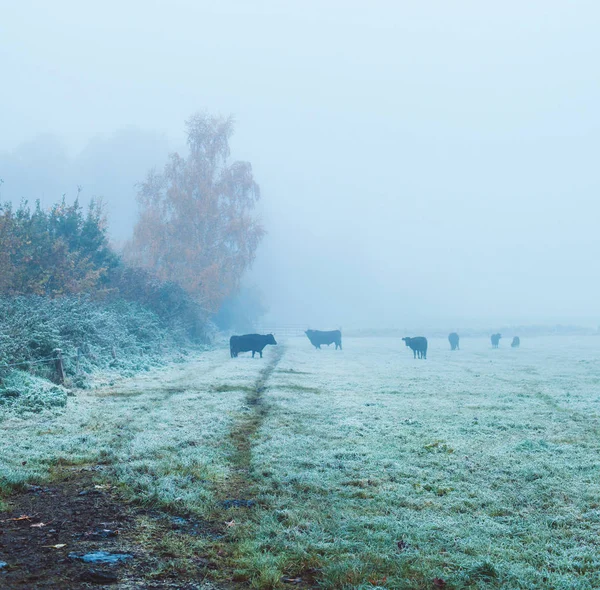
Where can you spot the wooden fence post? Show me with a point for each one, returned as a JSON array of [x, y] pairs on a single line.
[[79, 353], [58, 363]]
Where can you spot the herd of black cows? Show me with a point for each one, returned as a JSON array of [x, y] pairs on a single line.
[[418, 344]]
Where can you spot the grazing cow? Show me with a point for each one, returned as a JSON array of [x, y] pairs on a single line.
[[250, 342], [453, 339], [317, 337], [516, 342], [496, 340], [418, 345]]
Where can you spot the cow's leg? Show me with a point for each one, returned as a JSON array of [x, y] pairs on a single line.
[[414, 354], [252, 354], [260, 351]]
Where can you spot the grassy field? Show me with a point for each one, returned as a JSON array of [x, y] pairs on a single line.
[[366, 468]]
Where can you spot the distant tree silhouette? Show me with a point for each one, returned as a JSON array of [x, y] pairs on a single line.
[[196, 225]]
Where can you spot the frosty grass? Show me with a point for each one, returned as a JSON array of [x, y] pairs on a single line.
[[369, 469]]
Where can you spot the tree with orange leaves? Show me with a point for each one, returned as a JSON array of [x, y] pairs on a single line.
[[196, 225]]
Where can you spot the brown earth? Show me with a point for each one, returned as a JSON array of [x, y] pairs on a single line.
[[77, 514]]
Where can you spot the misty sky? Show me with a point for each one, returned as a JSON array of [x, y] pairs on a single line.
[[420, 162]]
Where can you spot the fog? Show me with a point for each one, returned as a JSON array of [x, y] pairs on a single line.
[[421, 164]]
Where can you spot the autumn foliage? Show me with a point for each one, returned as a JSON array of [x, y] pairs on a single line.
[[53, 252], [196, 226]]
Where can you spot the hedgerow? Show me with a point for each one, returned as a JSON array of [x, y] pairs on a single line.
[[93, 335], [63, 287], [53, 252]]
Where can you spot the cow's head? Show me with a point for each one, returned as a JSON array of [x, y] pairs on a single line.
[[271, 339], [407, 341]]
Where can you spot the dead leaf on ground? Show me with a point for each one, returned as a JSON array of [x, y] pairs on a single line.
[[231, 523], [39, 525], [58, 546], [439, 582]]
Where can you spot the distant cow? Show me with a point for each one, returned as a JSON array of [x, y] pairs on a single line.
[[453, 339], [496, 340], [516, 342], [418, 345], [317, 337], [250, 342]]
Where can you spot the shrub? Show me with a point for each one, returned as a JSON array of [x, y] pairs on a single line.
[[169, 301], [31, 328], [54, 252], [30, 393]]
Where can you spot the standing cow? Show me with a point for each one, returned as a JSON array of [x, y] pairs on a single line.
[[250, 342], [453, 339], [317, 337], [496, 340], [418, 345], [516, 342]]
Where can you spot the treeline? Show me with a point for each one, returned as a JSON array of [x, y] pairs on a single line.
[[64, 251], [63, 286]]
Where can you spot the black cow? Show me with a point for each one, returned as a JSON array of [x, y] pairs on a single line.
[[418, 345], [516, 342], [496, 340], [317, 337], [249, 342], [453, 339]]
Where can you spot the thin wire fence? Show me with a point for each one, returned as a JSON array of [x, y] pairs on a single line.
[[49, 359], [282, 330]]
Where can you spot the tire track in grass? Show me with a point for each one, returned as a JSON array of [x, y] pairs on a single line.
[[234, 499], [588, 422], [244, 430]]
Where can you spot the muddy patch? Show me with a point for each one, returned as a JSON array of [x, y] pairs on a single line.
[[49, 532]]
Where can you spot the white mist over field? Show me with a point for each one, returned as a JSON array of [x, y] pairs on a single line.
[[420, 163]]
